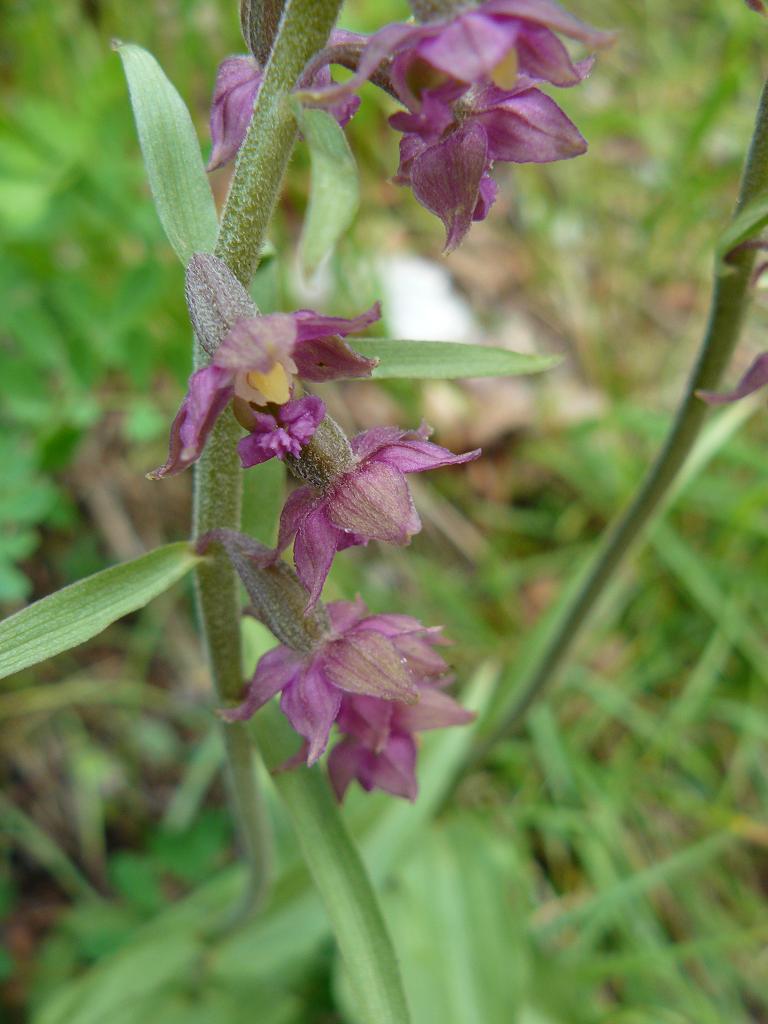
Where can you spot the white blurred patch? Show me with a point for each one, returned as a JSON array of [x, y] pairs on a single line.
[[420, 301]]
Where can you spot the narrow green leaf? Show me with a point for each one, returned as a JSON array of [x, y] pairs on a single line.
[[171, 153], [446, 360], [341, 880], [75, 614], [748, 223], [334, 190]]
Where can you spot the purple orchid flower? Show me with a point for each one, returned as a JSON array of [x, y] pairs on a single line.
[[489, 43], [469, 87], [386, 659], [449, 169], [238, 81], [379, 748], [368, 501], [254, 364]]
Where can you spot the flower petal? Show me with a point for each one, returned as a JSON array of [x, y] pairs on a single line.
[[446, 177], [298, 506], [311, 325], [257, 343], [313, 550], [416, 456], [393, 770], [366, 662], [486, 197], [373, 500], [276, 669], [434, 710], [311, 705], [210, 390], [331, 358], [346, 614], [344, 764], [470, 46], [553, 16], [529, 127], [541, 55], [238, 80], [369, 441]]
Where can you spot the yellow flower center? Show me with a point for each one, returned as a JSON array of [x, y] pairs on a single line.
[[275, 384], [505, 72]]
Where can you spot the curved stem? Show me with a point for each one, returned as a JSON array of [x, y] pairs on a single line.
[[304, 29], [729, 300]]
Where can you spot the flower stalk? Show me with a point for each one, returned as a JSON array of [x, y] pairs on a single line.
[[304, 29], [730, 297]]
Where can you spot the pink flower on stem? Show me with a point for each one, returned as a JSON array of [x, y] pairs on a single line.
[[469, 85], [384, 661], [368, 501], [253, 365]]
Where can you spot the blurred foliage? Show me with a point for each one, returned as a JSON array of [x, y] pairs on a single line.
[[608, 864]]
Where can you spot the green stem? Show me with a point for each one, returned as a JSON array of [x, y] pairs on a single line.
[[729, 300], [255, 189], [264, 154]]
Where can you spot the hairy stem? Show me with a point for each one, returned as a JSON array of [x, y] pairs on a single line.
[[264, 154], [729, 301], [303, 30]]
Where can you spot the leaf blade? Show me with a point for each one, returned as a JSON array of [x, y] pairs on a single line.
[[334, 187], [82, 610], [446, 360], [340, 877], [172, 157]]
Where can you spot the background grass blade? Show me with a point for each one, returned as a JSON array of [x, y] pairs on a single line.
[[82, 610], [171, 153], [446, 360]]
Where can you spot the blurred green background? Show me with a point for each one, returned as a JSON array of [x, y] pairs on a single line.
[[609, 863]]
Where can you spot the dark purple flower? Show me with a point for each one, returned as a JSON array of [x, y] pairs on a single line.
[[492, 42], [379, 749], [384, 658], [283, 432], [449, 170], [469, 87], [238, 81], [255, 364], [369, 501], [755, 378], [378, 746]]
